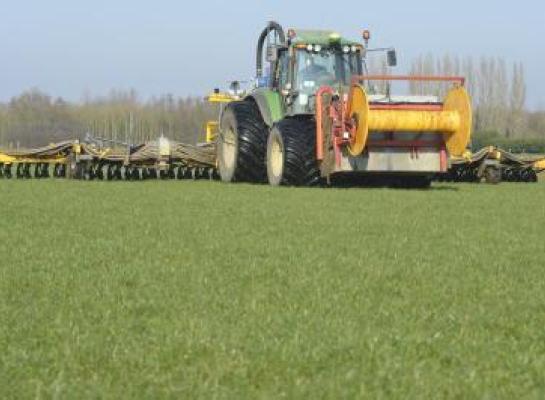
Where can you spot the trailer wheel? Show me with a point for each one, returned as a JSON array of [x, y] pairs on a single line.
[[45, 170], [59, 171], [7, 171], [291, 153], [87, 172], [242, 143], [26, 171], [37, 170], [188, 173], [492, 175], [136, 174], [532, 178], [110, 172]]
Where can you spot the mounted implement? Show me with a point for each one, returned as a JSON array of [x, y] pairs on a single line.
[[315, 116]]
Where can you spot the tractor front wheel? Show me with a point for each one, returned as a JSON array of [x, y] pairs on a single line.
[[291, 153], [242, 143]]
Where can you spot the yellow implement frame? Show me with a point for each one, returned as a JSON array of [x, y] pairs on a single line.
[[539, 165], [212, 127], [5, 159]]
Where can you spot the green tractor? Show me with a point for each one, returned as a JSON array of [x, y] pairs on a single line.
[[310, 118]]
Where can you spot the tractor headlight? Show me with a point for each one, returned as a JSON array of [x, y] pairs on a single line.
[[310, 47], [317, 48], [346, 49]]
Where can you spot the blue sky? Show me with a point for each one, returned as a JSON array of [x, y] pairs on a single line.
[[68, 48]]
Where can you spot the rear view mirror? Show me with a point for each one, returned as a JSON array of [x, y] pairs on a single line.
[[392, 58]]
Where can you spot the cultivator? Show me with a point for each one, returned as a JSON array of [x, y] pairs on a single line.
[[493, 165], [90, 160], [164, 159]]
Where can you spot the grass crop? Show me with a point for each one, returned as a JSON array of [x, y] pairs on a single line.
[[205, 290]]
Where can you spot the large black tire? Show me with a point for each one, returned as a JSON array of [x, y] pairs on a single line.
[[291, 153], [492, 175], [532, 176], [242, 143]]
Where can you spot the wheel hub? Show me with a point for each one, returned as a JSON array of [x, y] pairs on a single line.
[[229, 148], [277, 157]]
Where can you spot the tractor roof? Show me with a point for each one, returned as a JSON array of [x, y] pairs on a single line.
[[321, 37]]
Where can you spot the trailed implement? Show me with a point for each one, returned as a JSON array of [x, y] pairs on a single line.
[[90, 160], [493, 165]]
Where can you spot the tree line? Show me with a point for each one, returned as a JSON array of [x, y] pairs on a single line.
[[498, 93], [34, 118]]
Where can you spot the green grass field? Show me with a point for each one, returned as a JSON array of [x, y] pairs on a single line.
[[204, 290]]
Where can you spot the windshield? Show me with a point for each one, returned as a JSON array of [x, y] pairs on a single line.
[[328, 67]]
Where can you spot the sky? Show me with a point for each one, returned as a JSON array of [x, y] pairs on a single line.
[[72, 48]]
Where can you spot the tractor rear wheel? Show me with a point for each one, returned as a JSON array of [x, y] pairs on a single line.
[[291, 153], [242, 143]]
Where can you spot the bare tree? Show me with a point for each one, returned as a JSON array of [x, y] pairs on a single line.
[[517, 101], [498, 96]]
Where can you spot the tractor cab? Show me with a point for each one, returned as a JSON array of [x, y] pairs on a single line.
[[306, 61]]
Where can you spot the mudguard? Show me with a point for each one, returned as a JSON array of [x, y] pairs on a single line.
[[269, 103]]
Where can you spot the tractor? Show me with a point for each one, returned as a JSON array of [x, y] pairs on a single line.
[[315, 117]]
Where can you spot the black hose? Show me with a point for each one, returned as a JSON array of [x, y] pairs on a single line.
[[272, 26]]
